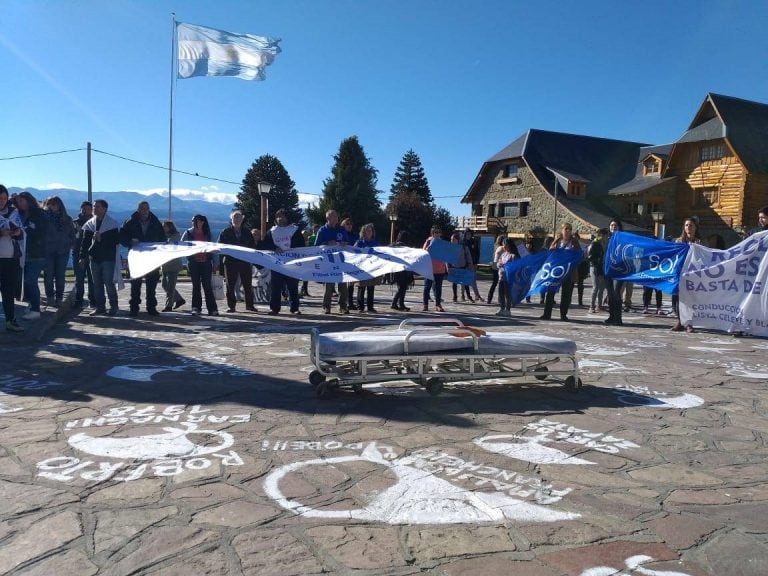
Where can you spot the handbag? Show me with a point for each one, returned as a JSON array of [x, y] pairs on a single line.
[[217, 283]]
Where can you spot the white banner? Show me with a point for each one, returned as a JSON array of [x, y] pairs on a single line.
[[314, 263], [727, 289]]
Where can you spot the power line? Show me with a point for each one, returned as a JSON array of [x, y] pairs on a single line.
[[42, 154], [165, 168]]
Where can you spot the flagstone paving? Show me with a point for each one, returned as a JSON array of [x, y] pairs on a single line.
[[195, 445]]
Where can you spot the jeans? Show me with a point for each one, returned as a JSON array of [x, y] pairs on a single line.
[[598, 288], [172, 295], [32, 269], [53, 280], [80, 276], [494, 283], [234, 270], [343, 295], [200, 273], [438, 284], [566, 293], [151, 281], [276, 292], [103, 274], [9, 274]]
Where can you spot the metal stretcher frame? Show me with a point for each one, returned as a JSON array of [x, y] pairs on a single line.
[[433, 368]]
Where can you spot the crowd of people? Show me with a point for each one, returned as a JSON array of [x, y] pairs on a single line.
[[40, 238]]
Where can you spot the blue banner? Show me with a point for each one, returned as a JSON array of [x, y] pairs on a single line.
[[463, 276], [446, 251], [558, 265], [520, 273], [645, 261]]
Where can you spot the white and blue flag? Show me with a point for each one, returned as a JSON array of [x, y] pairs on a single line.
[[206, 51], [645, 261]]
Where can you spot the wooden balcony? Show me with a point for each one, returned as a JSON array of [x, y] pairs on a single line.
[[476, 223]]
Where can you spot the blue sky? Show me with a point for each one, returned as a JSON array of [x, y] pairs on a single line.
[[456, 80]]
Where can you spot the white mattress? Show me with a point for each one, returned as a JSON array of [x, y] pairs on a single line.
[[392, 343]]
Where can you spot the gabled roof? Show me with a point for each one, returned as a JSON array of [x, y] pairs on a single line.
[[643, 182], [712, 129], [745, 126], [603, 162]]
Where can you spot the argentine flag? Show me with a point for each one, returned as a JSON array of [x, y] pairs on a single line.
[[209, 52]]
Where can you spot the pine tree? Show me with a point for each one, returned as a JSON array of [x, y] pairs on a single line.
[[268, 168], [351, 189], [409, 177]]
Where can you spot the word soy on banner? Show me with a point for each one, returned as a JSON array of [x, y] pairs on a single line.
[[726, 289]]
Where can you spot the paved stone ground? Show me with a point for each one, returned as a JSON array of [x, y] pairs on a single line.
[[195, 445]]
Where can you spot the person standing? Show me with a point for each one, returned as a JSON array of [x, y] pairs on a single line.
[[564, 241], [237, 235], [762, 220], [509, 253], [464, 263], [439, 272], [472, 243], [331, 234], [281, 237], [35, 231], [201, 267], [310, 241], [81, 274], [60, 239], [143, 226], [365, 288], [690, 235], [613, 287], [171, 270], [402, 279], [11, 238], [596, 259], [498, 248], [100, 250]]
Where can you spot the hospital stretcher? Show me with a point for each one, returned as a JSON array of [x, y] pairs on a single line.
[[431, 352]]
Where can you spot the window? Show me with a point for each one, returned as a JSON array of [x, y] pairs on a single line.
[[510, 171], [651, 166], [491, 210], [713, 152], [513, 210], [576, 189], [706, 197], [632, 209]]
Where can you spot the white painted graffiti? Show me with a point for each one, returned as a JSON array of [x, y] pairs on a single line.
[[632, 565], [605, 367], [532, 448], [11, 385], [735, 368], [644, 396], [168, 453], [528, 448], [419, 496]]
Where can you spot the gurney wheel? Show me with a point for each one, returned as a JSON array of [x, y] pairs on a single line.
[[316, 378], [322, 390], [572, 384], [434, 386], [540, 373]]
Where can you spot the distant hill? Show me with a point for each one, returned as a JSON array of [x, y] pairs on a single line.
[[123, 204]]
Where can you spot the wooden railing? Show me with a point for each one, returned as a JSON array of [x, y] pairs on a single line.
[[476, 223]]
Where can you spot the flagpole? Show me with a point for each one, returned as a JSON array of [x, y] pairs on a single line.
[[170, 123]]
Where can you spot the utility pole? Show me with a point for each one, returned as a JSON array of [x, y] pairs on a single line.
[[90, 179]]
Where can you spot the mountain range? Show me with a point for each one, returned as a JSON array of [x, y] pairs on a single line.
[[123, 204]]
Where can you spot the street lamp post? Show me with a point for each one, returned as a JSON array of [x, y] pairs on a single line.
[[658, 227], [264, 188], [392, 220]]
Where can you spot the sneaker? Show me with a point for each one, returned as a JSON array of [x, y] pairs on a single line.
[[500, 312], [645, 311], [592, 310], [677, 327], [251, 308], [344, 310], [179, 304], [195, 311], [97, 312], [273, 312], [13, 326], [296, 312], [30, 315], [439, 308], [404, 309]]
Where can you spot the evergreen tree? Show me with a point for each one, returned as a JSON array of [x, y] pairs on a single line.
[[412, 216], [268, 168], [351, 189], [409, 177]]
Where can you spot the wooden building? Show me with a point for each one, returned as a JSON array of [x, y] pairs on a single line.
[[717, 171]]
